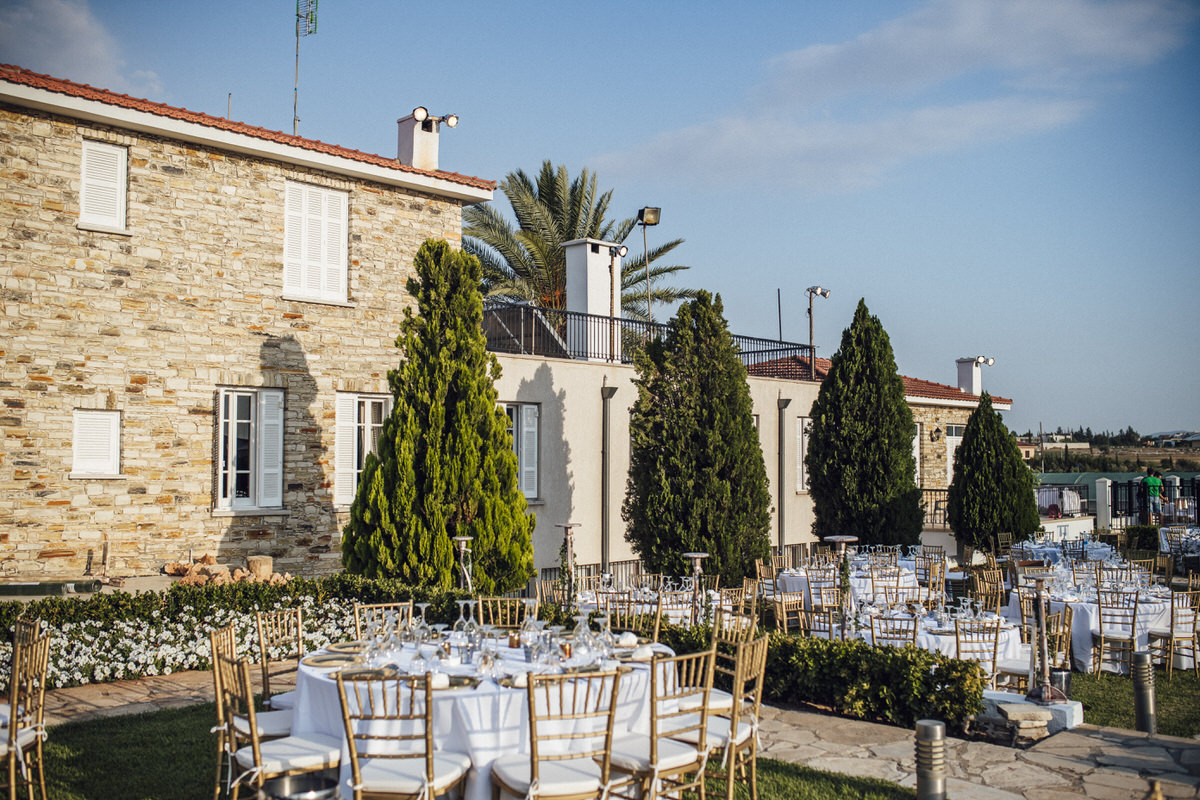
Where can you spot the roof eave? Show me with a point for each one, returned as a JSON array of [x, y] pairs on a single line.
[[145, 122], [954, 402]]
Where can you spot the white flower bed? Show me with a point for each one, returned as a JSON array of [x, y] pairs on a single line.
[[96, 652]]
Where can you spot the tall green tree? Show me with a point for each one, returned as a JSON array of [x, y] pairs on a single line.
[[860, 465], [992, 489], [528, 262], [446, 466], [697, 481]]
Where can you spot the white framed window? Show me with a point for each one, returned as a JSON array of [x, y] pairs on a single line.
[[523, 425], [359, 421], [917, 455], [96, 444], [803, 429], [104, 170], [250, 449], [315, 255], [954, 434]]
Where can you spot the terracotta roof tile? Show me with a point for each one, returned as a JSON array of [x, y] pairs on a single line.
[[19, 75], [796, 368]]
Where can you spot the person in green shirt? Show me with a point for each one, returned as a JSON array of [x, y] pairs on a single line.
[[1154, 486]]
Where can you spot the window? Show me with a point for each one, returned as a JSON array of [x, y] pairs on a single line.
[[954, 434], [803, 429], [359, 422], [523, 426], [96, 444], [102, 186], [250, 458], [314, 243]]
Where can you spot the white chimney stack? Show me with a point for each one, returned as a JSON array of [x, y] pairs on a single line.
[[417, 143], [594, 287], [970, 373]]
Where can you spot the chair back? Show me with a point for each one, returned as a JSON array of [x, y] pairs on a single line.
[[387, 718], [280, 636], [26, 630], [747, 689], [237, 698], [223, 641], [1118, 612], [822, 623], [508, 613], [987, 587], [1058, 636], [571, 716], [737, 601], [674, 608], [1004, 542], [678, 686], [27, 690], [633, 616], [826, 598], [884, 577], [732, 628], [789, 612], [903, 595], [369, 616], [978, 640], [551, 593], [893, 631], [1184, 608]]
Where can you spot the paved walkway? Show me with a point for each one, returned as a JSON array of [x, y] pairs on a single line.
[[1091, 762]]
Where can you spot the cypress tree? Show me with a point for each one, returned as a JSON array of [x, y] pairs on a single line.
[[992, 489], [697, 481], [860, 463], [446, 466]]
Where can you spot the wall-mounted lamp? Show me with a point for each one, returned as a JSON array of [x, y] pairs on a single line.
[[935, 435], [647, 216], [421, 115]]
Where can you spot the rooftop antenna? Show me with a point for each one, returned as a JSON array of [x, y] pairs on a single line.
[[306, 24]]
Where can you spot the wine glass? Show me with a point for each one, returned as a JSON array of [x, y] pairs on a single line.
[[421, 628], [460, 624]]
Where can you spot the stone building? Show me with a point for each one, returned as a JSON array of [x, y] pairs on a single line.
[[198, 321]]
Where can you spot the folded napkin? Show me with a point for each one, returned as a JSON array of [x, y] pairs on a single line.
[[439, 680], [643, 653], [627, 639]]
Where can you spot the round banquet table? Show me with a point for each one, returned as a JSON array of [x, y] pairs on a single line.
[[797, 581], [1009, 648], [484, 722]]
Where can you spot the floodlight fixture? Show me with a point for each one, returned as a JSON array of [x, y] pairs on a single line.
[[647, 216]]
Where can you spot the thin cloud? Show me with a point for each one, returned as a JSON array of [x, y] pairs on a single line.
[[954, 74], [65, 39]]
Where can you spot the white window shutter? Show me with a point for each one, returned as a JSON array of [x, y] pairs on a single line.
[[270, 448], [97, 443], [335, 253], [102, 185], [529, 450], [293, 231], [345, 448], [917, 455]]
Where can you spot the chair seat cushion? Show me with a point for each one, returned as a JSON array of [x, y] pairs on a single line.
[[407, 775], [271, 724], [632, 754], [283, 700], [718, 733], [310, 752], [25, 739], [570, 776], [719, 702], [1013, 666], [1112, 636]]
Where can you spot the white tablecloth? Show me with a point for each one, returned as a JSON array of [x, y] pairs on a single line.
[[1009, 648], [860, 586], [485, 722], [1028, 551], [1191, 541]]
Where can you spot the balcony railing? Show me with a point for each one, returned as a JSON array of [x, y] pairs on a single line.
[[530, 330]]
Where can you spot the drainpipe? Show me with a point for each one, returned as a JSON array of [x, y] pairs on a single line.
[[783, 403], [606, 394]]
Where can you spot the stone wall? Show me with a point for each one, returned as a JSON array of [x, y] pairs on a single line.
[[933, 453], [151, 324]]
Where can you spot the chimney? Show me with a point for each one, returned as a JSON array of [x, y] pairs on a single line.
[[417, 143], [594, 287], [970, 373]]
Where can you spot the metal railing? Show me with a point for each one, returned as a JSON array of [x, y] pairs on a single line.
[[1065, 495], [526, 329], [621, 571], [936, 502], [1180, 506]]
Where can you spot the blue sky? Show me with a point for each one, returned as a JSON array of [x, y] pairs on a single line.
[[1019, 179]]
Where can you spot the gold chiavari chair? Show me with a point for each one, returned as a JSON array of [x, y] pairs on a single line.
[[822, 623], [506, 613], [1115, 573], [729, 631], [1118, 628], [389, 736], [987, 587], [933, 551], [670, 758], [884, 577], [570, 738], [632, 616], [587, 583], [674, 608], [651, 581], [26, 630], [789, 612], [780, 562], [1164, 568], [23, 735], [255, 759], [893, 631], [903, 595], [1083, 570], [827, 597], [1032, 573], [1060, 636], [820, 580], [280, 637], [710, 583], [1180, 632], [1193, 583], [737, 741], [766, 574], [1004, 543], [738, 601], [978, 640], [223, 641], [551, 593], [368, 616]]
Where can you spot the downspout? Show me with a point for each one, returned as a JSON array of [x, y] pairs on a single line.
[[783, 403], [606, 394]]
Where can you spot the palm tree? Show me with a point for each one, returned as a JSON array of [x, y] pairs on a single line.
[[529, 263]]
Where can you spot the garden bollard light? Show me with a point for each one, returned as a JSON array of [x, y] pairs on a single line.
[[1143, 693], [931, 760]]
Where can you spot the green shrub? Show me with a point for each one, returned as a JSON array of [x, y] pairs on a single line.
[[1141, 537], [886, 684]]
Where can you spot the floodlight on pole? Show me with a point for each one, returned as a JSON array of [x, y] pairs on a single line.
[[648, 216], [812, 354]]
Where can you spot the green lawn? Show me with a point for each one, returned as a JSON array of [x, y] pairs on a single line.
[[1108, 700], [170, 755]]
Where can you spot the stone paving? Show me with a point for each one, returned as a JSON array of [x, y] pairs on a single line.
[[1085, 762]]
